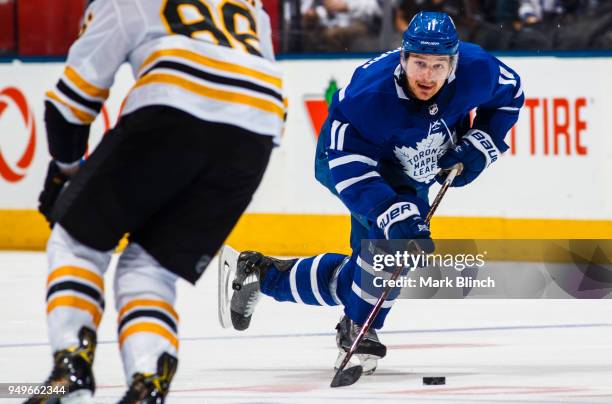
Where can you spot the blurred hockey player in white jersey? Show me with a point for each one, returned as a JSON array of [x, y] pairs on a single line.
[[403, 120], [180, 167]]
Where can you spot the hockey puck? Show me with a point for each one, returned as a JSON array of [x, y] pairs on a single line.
[[434, 381]]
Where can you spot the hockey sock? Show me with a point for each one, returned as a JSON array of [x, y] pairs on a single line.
[[309, 281], [145, 293], [75, 288]]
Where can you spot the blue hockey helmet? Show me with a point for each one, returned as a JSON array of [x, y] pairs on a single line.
[[431, 33]]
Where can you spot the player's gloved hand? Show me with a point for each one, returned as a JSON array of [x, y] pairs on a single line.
[[54, 184], [404, 220], [476, 151]]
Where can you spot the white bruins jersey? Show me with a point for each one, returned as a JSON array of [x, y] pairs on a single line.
[[210, 58]]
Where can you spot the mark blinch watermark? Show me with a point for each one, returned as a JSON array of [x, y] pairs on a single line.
[[490, 269]]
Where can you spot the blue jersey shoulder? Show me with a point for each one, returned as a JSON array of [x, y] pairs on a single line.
[[370, 102], [476, 75], [378, 106]]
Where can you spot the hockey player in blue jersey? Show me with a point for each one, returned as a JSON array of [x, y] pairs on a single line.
[[401, 122]]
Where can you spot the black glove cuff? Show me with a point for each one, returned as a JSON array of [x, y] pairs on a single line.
[[67, 141]]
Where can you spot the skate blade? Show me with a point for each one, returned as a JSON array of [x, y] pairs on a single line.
[[82, 396], [367, 362], [228, 260]]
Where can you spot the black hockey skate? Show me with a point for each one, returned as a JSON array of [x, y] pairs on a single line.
[[152, 388], [245, 270], [72, 378], [369, 351]]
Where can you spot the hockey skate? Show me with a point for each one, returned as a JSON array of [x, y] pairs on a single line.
[[242, 272], [71, 380], [369, 351], [152, 388]]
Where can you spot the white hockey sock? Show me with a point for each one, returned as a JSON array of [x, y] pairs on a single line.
[[75, 288], [145, 295]]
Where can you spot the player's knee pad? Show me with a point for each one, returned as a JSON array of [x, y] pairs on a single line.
[[63, 249], [145, 293], [139, 274]]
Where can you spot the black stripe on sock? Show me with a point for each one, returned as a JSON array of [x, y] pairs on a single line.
[[77, 287], [148, 313]]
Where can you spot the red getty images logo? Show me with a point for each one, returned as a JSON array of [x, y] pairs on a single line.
[[11, 95]]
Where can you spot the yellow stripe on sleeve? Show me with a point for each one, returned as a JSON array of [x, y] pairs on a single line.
[[83, 85], [82, 116]]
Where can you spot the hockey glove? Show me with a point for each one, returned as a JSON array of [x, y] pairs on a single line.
[[404, 220], [476, 151], [54, 183]]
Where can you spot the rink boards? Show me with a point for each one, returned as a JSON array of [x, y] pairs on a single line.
[[552, 183]]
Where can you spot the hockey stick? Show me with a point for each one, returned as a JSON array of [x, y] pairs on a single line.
[[352, 374]]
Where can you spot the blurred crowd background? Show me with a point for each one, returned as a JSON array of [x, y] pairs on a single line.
[[501, 25], [48, 27]]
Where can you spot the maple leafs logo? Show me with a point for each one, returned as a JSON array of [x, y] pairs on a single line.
[[421, 163]]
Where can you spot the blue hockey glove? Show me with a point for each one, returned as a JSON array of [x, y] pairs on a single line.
[[404, 220], [476, 151]]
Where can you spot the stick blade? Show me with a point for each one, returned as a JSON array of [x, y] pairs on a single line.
[[347, 377]]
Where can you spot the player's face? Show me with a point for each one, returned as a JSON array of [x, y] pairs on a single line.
[[426, 74]]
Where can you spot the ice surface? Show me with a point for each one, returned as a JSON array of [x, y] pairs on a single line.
[[491, 351]]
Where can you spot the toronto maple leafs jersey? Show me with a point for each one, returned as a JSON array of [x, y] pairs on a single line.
[[379, 142], [212, 59]]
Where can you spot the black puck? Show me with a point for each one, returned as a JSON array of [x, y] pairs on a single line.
[[434, 381]]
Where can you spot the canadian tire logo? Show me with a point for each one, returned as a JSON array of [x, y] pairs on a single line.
[[317, 106], [11, 169]]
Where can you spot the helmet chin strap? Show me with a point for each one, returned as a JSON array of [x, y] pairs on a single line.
[[453, 69]]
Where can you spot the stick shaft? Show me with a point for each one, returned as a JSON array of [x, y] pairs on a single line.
[[376, 309]]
